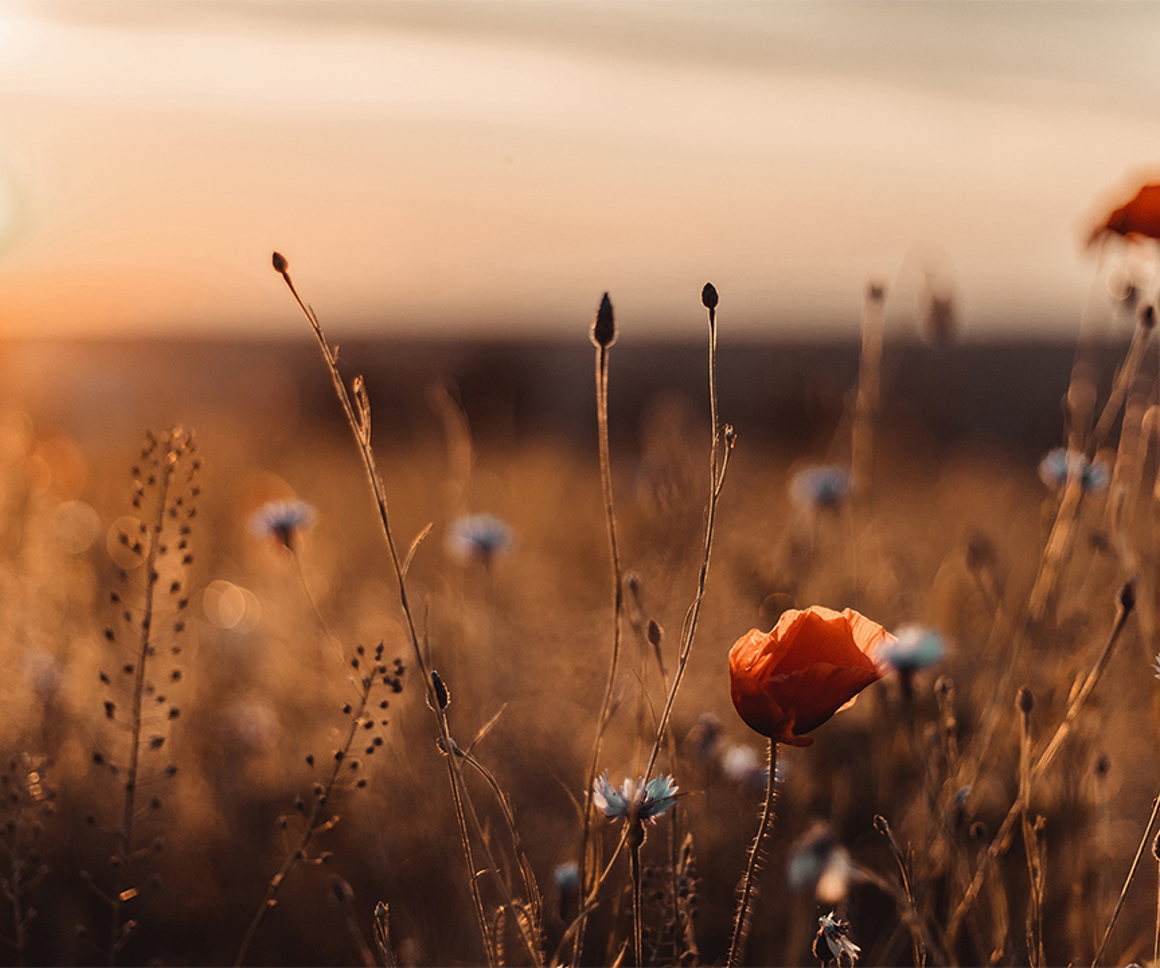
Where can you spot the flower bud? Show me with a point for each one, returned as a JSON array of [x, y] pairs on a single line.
[[604, 327], [1025, 700]]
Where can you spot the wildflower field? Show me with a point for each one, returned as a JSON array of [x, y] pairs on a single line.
[[481, 661]]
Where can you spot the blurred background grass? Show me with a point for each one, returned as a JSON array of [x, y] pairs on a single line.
[[958, 512]]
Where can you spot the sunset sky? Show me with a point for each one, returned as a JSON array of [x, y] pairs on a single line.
[[489, 169]]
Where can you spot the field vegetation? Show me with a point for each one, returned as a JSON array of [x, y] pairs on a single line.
[[355, 694]]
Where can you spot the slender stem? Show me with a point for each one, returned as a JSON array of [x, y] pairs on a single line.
[[359, 421], [503, 882], [713, 387], [617, 605], [918, 943], [1123, 382], [144, 651], [1127, 883], [719, 451], [741, 922], [312, 826], [634, 842], [1035, 912], [718, 462], [866, 402], [531, 888], [1001, 839], [336, 647]]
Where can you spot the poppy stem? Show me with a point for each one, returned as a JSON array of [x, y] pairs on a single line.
[[741, 922]]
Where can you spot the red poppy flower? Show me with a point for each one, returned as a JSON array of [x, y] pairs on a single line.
[[1139, 217], [790, 680]]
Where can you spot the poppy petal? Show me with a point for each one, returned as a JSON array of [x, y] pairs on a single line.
[[790, 680]]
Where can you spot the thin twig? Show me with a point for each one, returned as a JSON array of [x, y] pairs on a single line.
[[1125, 605], [1127, 883], [359, 421], [603, 335]]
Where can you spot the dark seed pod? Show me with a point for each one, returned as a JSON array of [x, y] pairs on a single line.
[[279, 262], [442, 693], [604, 327], [709, 297], [1025, 700], [1128, 597]]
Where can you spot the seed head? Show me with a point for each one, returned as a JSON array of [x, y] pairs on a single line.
[[604, 326], [1025, 700], [709, 297], [1127, 597], [442, 693], [279, 262]]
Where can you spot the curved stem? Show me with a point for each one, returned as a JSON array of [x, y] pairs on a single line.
[[357, 412], [1127, 883]]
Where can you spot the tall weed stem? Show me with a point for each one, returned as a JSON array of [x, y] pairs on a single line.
[[358, 416], [603, 336], [1125, 605]]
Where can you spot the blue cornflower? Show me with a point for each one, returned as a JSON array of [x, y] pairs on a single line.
[[478, 537], [635, 798], [281, 520], [820, 487], [1095, 476], [915, 647], [567, 876], [1059, 464]]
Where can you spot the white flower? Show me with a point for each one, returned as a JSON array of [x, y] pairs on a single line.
[[834, 931], [645, 801]]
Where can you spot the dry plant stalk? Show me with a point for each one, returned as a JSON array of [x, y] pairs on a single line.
[[722, 446], [1125, 604], [151, 610], [1128, 883], [1025, 702], [603, 336], [356, 408], [376, 673]]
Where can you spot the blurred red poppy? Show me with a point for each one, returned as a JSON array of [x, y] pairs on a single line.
[[790, 680], [1137, 218]]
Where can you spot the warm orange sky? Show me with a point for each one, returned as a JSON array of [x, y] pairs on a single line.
[[492, 168]]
